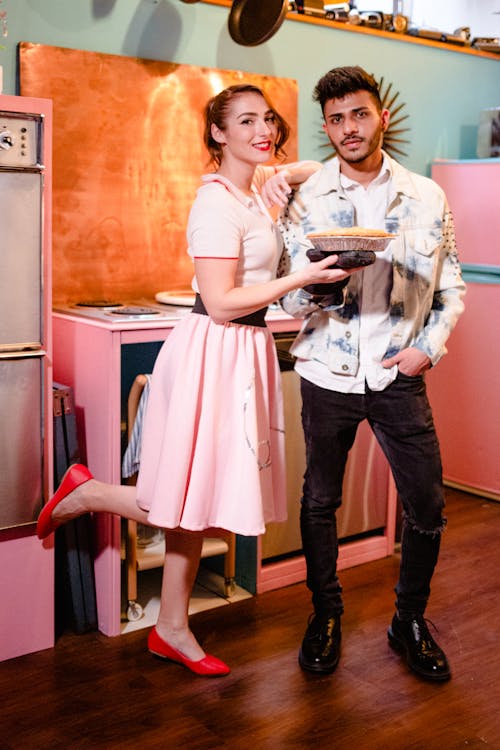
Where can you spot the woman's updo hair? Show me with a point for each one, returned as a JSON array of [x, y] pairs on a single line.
[[216, 112]]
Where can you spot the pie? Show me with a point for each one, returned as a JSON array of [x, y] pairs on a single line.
[[351, 232]]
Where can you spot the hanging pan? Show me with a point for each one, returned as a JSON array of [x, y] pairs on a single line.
[[252, 22]]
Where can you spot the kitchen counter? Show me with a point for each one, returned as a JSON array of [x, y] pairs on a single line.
[[161, 317]]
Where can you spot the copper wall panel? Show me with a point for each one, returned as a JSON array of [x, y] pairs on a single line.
[[128, 155]]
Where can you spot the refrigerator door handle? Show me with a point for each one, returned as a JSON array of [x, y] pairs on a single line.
[[18, 354], [34, 169]]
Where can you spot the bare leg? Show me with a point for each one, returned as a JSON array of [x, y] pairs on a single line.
[[182, 557], [95, 496], [183, 551]]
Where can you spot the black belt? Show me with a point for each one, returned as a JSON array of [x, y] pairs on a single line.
[[256, 318]]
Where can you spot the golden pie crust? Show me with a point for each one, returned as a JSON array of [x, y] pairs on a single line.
[[351, 232]]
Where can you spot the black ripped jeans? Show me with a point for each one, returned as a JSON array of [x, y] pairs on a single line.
[[401, 419]]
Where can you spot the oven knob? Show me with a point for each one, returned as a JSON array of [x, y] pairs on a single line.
[[6, 140]]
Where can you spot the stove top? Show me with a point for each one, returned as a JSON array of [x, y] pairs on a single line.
[[129, 311]]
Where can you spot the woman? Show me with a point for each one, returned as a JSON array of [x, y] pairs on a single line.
[[213, 444]]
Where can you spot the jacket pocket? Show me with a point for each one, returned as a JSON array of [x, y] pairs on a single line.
[[421, 240]]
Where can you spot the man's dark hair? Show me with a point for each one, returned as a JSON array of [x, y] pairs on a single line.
[[339, 82]]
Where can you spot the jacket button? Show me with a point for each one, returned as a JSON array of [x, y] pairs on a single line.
[[345, 367]]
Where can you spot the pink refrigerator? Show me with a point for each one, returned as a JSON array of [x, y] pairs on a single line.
[[464, 388]]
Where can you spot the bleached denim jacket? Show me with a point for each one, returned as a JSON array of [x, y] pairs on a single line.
[[427, 289]]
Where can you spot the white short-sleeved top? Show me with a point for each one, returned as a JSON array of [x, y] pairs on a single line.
[[226, 223]]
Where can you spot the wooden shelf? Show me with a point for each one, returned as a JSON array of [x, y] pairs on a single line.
[[351, 28]]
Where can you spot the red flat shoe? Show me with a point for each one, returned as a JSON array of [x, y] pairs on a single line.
[[76, 475], [209, 666]]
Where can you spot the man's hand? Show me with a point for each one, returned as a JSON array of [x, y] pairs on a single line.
[[276, 190], [410, 361]]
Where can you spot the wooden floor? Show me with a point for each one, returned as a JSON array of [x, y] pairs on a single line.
[[91, 692]]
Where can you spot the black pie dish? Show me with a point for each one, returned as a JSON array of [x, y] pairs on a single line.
[[346, 258]]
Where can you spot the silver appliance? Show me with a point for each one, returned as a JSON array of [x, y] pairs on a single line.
[[366, 481], [21, 318]]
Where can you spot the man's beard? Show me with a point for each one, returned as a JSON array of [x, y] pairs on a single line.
[[371, 146]]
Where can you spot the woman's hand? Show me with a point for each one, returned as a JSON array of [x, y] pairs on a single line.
[[321, 273]]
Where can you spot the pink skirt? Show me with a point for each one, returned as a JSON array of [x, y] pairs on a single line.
[[213, 449]]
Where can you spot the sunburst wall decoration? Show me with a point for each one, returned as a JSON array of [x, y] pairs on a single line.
[[394, 141]]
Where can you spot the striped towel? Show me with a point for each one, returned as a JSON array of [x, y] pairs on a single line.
[[132, 456]]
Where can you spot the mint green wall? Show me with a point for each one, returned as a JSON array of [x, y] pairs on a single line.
[[444, 91]]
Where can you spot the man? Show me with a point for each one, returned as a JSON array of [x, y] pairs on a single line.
[[362, 353]]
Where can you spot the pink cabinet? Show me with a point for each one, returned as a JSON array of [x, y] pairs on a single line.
[[473, 188], [465, 386], [87, 357]]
